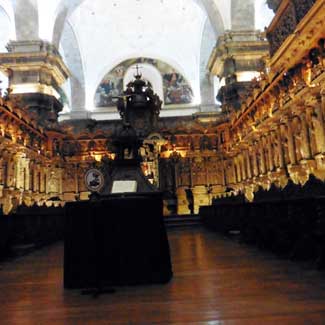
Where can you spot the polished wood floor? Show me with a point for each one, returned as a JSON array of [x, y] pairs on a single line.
[[216, 281]]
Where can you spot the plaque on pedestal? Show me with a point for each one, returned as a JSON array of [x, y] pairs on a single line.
[[123, 186]]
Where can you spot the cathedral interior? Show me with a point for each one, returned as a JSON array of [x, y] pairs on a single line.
[[239, 138]]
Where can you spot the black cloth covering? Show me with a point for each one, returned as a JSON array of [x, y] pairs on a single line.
[[116, 241]]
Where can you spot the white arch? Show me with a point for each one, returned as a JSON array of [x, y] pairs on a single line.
[[206, 80], [6, 5], [90, 91], [70, 45], [48, 11]]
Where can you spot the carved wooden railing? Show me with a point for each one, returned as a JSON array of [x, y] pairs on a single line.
[[289, 14]]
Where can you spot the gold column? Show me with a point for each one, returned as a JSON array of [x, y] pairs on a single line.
[[248, 164], [280, 148], [255, 164], [262, 159], [243, 165], [270, 151]]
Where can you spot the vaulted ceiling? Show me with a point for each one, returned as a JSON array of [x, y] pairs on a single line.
[[96, 35]]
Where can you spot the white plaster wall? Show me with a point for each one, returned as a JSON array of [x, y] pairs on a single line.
[[5, 30], [224, 7], [7, 8], [4, 82], [47, 14], [219, 13], [110, 32], [263, 14]]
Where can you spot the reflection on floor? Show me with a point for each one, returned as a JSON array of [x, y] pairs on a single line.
[[216, 281]]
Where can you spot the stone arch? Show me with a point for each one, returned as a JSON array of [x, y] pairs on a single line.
[[73, 60], [65, 9], [8, 10], [116, 75], [26, 19], [213, 9], [91, 90], [6, 28], [7, 32], [206, 79]]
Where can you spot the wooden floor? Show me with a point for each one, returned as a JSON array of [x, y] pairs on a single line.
[[216, 281]]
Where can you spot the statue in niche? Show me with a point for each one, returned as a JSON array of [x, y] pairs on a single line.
[[284, 140], [198, 173], [69, 180], [91, 145], [167, 176], [184, 172], [298, 138], [53, 182], [56, 147], [276, 148], [317, 129], [191, 144], [230, 172], [205, 143]]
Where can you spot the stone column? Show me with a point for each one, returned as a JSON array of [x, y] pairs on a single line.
[[237, 51], [242, 14], [36, 90]]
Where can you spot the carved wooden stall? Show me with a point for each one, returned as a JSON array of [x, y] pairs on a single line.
[[276, 146]]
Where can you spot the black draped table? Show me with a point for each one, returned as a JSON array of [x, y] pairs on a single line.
[[118, 240]]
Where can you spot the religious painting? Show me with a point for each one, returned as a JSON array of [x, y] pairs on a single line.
[[110, 87], [176, 89]]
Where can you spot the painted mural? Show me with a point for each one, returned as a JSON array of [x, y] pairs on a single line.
[[176, 88]]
